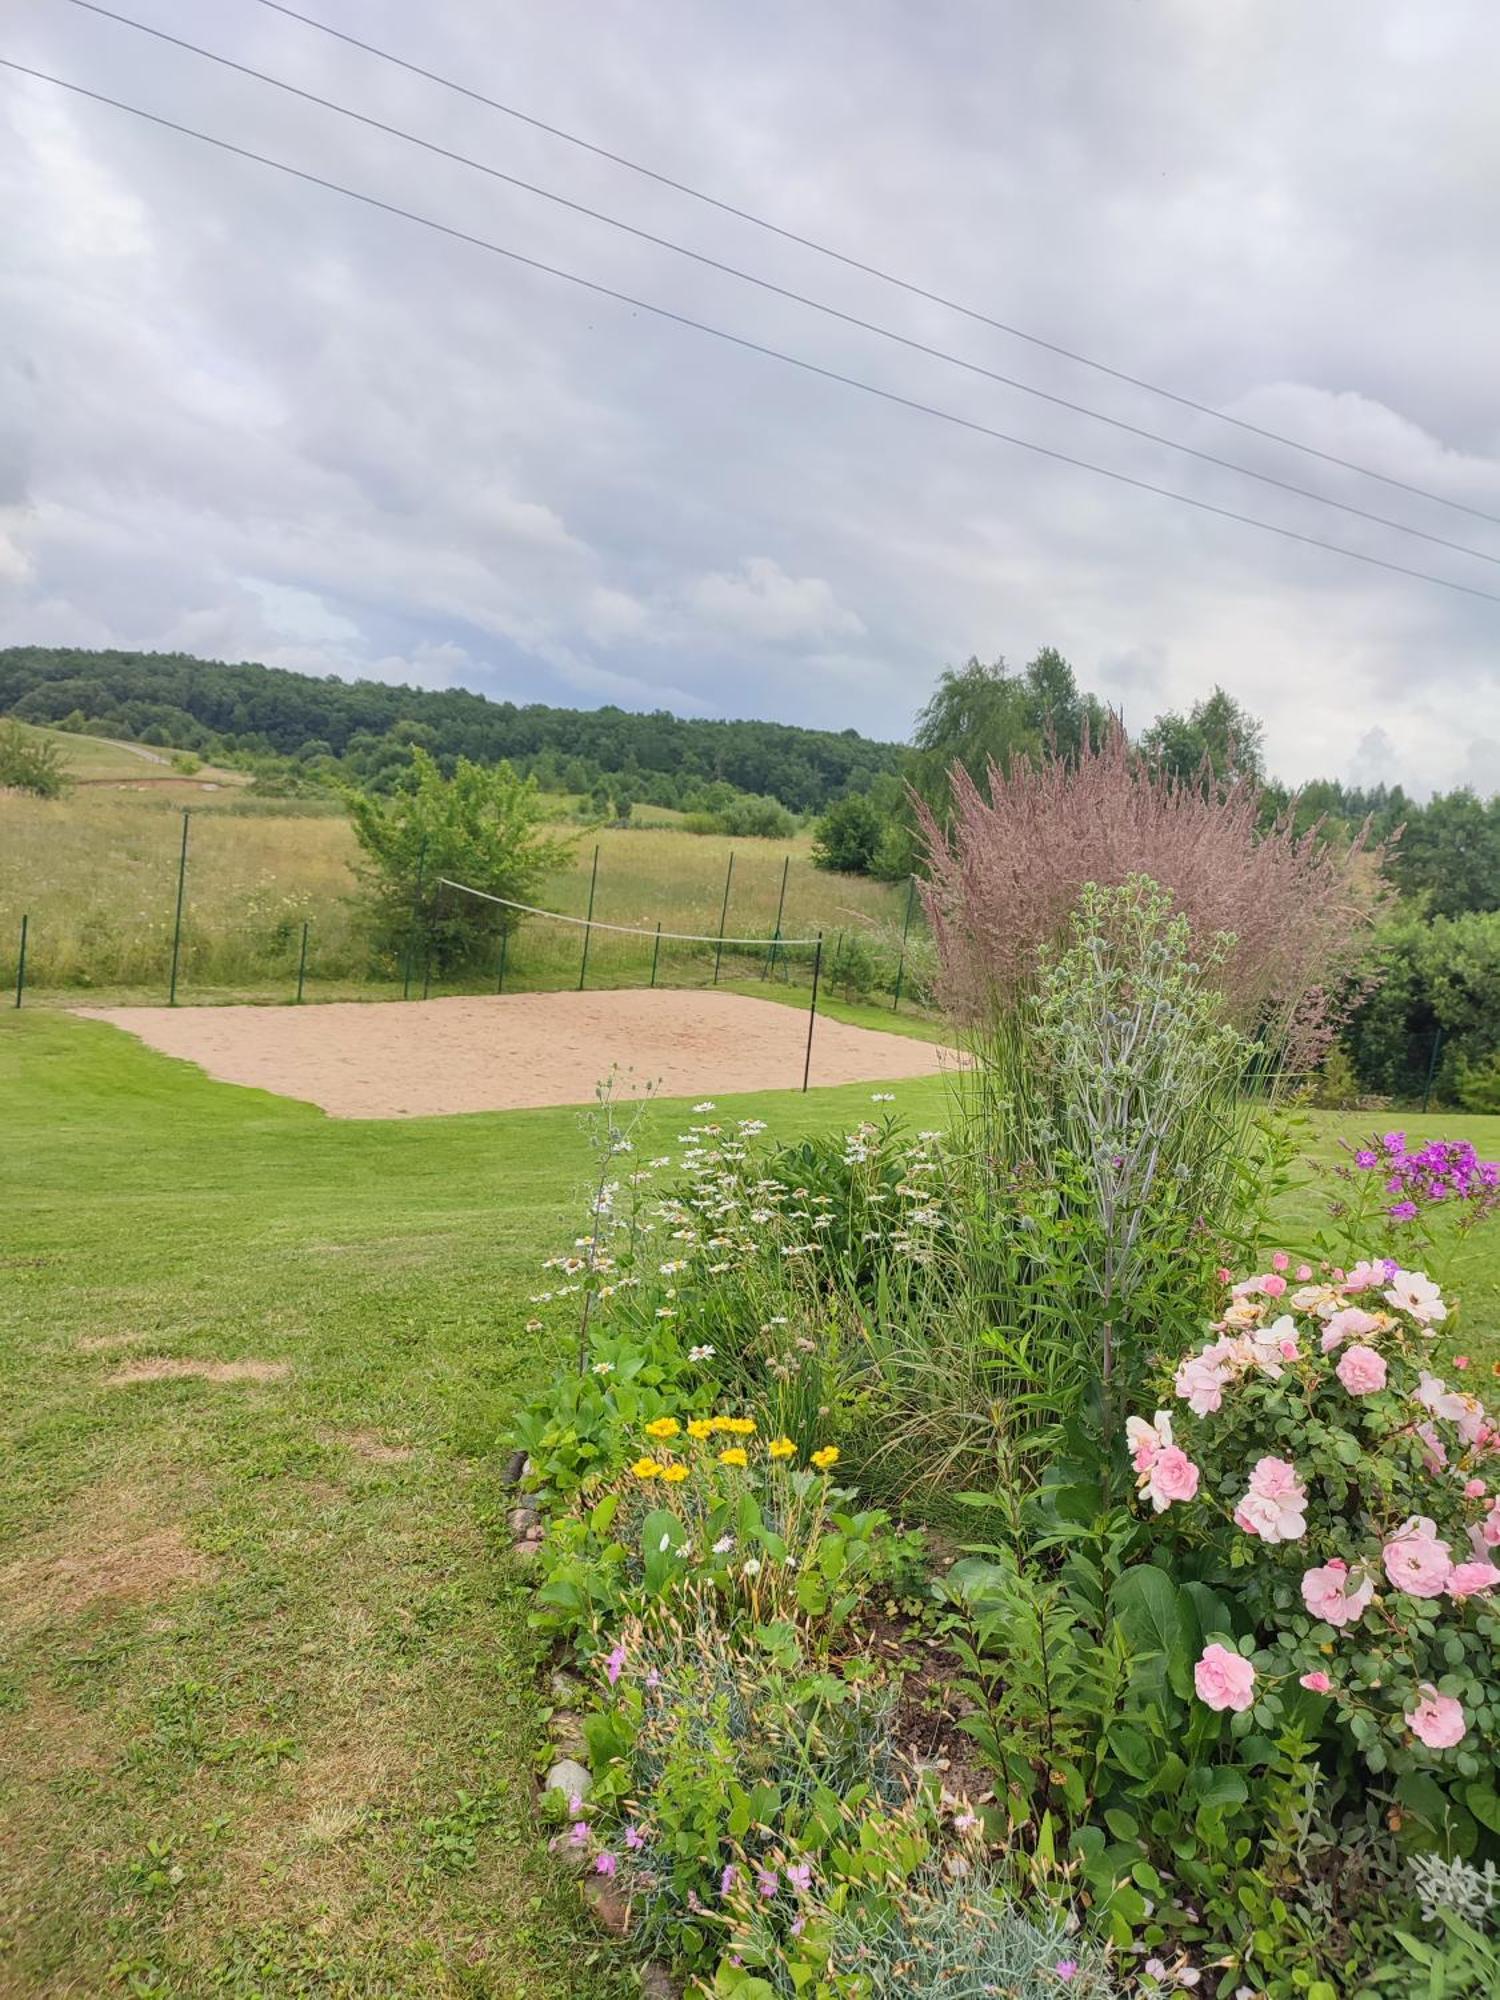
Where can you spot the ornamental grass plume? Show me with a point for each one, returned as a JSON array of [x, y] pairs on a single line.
[[1008, 869]]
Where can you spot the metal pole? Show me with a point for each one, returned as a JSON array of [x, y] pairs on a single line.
[[770, 963], [1433, 1067], [723, 915], [656, 951], [500, 976], [416, 907], [302, 963], [812, 1012], [21, 964], [177, 923], [588, 921], [905, 928]]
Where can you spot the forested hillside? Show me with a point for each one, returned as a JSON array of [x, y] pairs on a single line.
[[206, 705]]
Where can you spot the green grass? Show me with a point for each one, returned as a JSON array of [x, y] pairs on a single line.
[[238, 1638], [268, 1696]]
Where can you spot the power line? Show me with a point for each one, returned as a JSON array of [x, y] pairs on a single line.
[[779, 291], [874, 270], [741, 341]]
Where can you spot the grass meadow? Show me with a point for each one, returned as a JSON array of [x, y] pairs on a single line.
[[270, 1708], [96, 871]]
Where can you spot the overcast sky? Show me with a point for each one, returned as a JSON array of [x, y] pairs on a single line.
[[250, 419]]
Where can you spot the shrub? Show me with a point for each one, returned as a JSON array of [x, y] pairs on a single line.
[[1314, 1465], [848, 836], [30, 763], [1008, 870]]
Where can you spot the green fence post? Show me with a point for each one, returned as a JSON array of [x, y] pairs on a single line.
[[588, 922], [656, 951], [177, 922], [723, 915], [770, 963], [812, 1011], [500, 975], [21, 961], [1437, 1043], [905, 929], [416, 911], [302, 963]]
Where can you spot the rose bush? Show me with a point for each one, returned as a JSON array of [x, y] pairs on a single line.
[[1321, 1474]]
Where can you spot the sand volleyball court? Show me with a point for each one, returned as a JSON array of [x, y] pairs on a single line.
[[427, 1058]]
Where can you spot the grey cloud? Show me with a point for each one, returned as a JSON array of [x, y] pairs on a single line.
[[243, 416]]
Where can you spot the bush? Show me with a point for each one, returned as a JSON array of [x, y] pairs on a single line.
[[1316, 1468], [848, 836], [30, 763]]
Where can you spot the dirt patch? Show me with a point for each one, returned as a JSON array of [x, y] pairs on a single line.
[[161, 1369], [433, 1057], [101, 1343], [370, 1446], [107, 1552]]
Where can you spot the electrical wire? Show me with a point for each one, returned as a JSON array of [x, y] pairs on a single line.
[[873, 270], [747, 345], [780, 291]]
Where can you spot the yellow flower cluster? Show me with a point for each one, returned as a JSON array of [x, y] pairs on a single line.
[[700, 1429]]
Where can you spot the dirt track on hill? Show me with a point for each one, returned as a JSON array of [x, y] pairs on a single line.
[[429, 1058]]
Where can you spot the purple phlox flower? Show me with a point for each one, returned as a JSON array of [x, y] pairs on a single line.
[[1363, 1158], [634, 1838], [728, 1879], [800, 1876], [1394, 1142], [799, 1924], [767, 1882], [579, 1834], [614, 1664], [1402, 1211], [605, 1864]]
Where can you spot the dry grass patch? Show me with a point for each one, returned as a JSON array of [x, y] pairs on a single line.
[[163, 1369], [112, 1546], [370, 1446], [102, 1343]]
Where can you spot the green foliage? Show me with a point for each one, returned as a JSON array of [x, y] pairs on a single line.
[[1429, 977], [30, 763], [1217, 740], [482, 828], [848, 836], [979, 715]]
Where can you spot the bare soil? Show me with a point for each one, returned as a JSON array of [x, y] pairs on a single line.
[[428, 1058]]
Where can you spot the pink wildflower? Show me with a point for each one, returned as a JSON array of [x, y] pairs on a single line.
[[614, 1664], [1066, 1970], [605, 1864]]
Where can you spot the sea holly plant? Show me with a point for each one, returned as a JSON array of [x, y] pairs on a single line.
[[1312, 1462]]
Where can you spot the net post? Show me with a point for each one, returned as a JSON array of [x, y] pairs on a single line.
[[500, 975], [588, 922], [723, 916], [770, 964], [656, 952], [1437, 1043], [911, 892], [812, 1011], [177, 920], [302, 963], [21, 960], [416, 906]]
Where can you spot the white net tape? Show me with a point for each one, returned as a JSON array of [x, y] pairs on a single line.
[[630, 930]]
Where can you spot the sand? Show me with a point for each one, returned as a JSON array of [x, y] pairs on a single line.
[[429, 1058]]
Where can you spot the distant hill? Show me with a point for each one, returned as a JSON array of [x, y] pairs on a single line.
[[218, 708]]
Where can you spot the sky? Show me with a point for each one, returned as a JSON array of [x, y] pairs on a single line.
[[249, 418]]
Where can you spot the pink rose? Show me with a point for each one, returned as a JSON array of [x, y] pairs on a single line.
[[1347, 1325], [1437, 1719], [1224, 1679], [1473, 1489], [1275, 1507], [1200, 1383], [1361, 1370], [1471, 1578], [1146, 1440], [1280, 1260], [1273, 1287], [1327, 1593], [1488, 1530], [1318, 1683], [1365, 1273], [1304, 1272], [1172, 1476], [1435, 1452], [1416, 1561]]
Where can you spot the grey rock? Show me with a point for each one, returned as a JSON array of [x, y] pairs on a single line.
[[570, 1778], [657, 1982]]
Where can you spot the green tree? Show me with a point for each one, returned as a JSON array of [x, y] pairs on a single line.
[[30, 763], [484, 828], [1216, 737], [848, 836], [980, 715], [1449, 855]]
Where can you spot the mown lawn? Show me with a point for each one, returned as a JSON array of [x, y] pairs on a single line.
[[268, 1699]]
